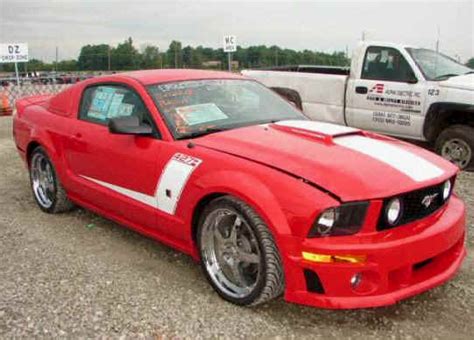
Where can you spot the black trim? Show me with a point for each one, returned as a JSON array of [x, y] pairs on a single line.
[[412, 206], [313, 282]]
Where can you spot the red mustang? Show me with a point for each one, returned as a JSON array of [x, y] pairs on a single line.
[[223, 169]]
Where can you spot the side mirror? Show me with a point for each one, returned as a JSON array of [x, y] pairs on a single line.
[[129, 125], [412, 78]]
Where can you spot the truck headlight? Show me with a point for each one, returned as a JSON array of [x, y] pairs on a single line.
[[346, 219], [393, 211], [446, 189]]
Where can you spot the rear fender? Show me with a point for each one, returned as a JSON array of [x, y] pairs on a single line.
[[43, 139]]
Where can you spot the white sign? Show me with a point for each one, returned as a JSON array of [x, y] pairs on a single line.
[[13, 53], [230, 43]]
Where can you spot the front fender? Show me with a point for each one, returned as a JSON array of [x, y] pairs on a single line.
[[249, 189]]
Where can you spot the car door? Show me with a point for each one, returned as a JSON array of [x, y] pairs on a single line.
[[116, 173], [387, 97]]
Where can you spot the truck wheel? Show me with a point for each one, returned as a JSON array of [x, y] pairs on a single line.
[[239, 256], [47, 189], [456, 144]]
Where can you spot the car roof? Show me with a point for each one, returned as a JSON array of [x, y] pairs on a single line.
[[148, 77]]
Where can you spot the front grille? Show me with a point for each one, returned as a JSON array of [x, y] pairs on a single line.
[[412, 207]]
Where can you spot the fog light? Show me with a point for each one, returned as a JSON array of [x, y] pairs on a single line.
[[446, 189], [393, 211], [355, 280]]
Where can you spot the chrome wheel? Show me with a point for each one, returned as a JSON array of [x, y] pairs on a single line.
[[42, 180], [457, 151], [231, 252]]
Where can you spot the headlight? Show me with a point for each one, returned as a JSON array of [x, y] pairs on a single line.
[[393, 211], [446, 190], [346, 219]]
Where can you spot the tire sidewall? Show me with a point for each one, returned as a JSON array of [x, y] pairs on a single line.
[[230, 204], [40, 150], [462, 132]]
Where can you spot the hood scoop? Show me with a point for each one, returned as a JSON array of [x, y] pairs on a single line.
[[325, 132]]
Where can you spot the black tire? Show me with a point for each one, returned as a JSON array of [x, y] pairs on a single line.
[[58, 197], [270, 280], [463, 135]]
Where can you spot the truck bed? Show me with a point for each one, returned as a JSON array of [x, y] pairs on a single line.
[[321, 92], [324, 69]]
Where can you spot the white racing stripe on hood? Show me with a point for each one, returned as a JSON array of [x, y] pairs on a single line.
[[321, 127], [410, 164]]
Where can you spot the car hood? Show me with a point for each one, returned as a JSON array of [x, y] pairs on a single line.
[[349, 163], [463, 82]]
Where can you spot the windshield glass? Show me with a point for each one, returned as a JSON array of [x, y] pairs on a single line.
[[436, 66], [198, 107]]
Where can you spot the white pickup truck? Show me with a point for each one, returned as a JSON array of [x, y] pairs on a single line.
[[399, 90]]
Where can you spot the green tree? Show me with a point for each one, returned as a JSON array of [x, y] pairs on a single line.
[[150, 58], [174, 55], [67, 65], [125, 56], [93, 57]]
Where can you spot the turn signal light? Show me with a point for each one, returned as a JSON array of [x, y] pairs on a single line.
[[324, 258]]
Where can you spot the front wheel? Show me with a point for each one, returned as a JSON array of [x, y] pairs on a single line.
[[456, 144], [239, 256]]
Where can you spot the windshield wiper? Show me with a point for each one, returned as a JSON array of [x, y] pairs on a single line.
[[204, 132], [449, 75], [469, 72]]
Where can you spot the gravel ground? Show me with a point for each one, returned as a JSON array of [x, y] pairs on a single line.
[[80, 275]]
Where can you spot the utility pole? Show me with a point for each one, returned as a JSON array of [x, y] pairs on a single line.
[[56, 64], [347, 53], [108, 57], [175, 55], [276, 57], [363, 35], [437, 40]]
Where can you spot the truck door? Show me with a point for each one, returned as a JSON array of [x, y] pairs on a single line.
[[387, 98]]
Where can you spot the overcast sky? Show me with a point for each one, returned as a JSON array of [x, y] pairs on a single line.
[[314, 25]]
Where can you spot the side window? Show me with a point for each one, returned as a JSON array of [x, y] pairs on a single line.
[[103, 102], [385, 63]]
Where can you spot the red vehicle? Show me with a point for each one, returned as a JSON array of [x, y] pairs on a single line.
[[223, 169]]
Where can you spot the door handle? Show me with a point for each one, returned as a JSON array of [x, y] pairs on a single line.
[[361, 89]]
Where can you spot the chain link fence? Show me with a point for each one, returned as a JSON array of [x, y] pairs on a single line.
[[10, 94]]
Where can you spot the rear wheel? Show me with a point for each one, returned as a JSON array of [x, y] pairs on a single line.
[[238, 253], [47, 189], [456, 144]]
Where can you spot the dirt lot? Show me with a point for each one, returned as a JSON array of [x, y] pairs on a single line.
[[79, 275]]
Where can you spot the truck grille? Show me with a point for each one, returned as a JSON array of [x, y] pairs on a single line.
[[412, 206]]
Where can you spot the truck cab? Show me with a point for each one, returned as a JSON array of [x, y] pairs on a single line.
[[395, 89]]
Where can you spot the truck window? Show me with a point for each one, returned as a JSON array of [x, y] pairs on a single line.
[[385, 63]]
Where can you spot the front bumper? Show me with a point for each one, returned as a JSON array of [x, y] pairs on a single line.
[[401, 262]]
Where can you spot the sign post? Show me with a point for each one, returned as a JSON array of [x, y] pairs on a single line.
[[230, 45], [14, 53]]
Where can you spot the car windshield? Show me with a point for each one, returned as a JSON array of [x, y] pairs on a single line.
[[198, 107], [437, 66]]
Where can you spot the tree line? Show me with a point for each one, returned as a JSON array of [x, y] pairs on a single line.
[[125, 56]]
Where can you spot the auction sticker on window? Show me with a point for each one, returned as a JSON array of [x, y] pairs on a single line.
[[200, 113]]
